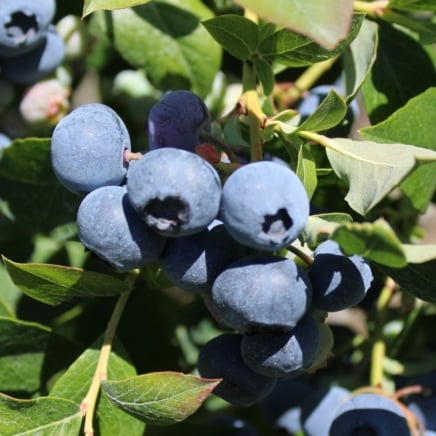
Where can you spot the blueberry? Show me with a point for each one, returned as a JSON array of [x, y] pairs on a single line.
[[87, 148], [23, 24], [176, 192], [369, 414], [282, 354], [261, 293], [177, 120], [220, 358], [111, 229], [319, 407], [193, 262], [36, 63], [338, 281], [264, 205]]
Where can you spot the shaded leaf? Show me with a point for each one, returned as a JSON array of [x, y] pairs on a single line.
[[29, 355], [293, 50], [375, 241], [371, 169], [265, 74], [332, 20], [401, 71], [28, 186], [412, 124], [90, 6], [160, 398], [236, 34], [41, 416], [53, 284], [417, 278], [167, 40], [74, 384], [413, 5]]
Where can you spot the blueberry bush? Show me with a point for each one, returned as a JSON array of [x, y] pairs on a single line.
[[217, 217]]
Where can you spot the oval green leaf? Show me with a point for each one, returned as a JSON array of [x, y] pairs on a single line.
[[167, 40], [236, 34], [53, 284], [330, 112], [160, 398], [41, 416]]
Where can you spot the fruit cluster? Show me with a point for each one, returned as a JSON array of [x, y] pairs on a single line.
[[224, 240], [30, 47]]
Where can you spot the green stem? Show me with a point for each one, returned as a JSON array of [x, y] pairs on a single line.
[[375, 8], [305, 81], [379, 346], [256, 117], [89, 403]]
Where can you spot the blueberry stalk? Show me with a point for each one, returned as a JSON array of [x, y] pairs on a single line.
[[89, 403], [255, 114], [379, 346]]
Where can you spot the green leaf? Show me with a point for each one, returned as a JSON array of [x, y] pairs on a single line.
[[74, 384], [412, 124], [53, 284], [401, 71], [30, 354], [33, 195], [413, 5], [41, 416], [371, 169], [90, 6], [5, 310], [359, 58], [160, 398], [290, 49], [330, 112], [375, 241], [332, 20], [306, 169], [417, 278], [264, 72], [167, 40], [236, 34]]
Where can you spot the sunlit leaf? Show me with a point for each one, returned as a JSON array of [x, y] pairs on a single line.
[[160, 398]]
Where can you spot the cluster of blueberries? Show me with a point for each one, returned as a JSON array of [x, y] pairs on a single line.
[[30, 47], [223, 240]]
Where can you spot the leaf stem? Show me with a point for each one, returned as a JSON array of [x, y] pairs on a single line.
[[256, 117], [375, 8], [379, 346], [89, 403]]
